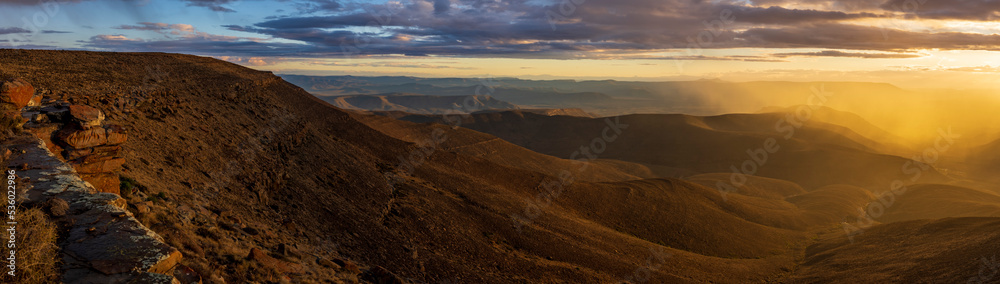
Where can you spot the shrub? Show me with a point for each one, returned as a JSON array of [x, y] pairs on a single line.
[[128, 186], [37, 251], [159, 196]]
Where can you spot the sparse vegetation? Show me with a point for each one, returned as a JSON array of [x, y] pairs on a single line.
[[129, 186], [37, 253], [158, 197]]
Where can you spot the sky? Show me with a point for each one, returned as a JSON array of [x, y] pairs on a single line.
[[911, 43]]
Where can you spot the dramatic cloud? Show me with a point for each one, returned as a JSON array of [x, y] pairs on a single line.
[[979, 10], [183, 38], [474, 28], [592, 29], [840, 36]]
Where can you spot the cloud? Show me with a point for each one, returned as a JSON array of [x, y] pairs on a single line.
[[442, 6], [158, 27], [184, 31], [214, 5], [780, 15], [315, 6], [13, 30], [978, 69], [978, 10], [252, 61], [843, 36], [835, 53], [33, 2], [112, 38], [183, 38], [392, 65]]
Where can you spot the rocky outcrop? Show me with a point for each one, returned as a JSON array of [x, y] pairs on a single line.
[[84, 141], [102, 241], [105, 243]]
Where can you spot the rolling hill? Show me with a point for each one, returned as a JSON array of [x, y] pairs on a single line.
[[419, 104], [813, 155]]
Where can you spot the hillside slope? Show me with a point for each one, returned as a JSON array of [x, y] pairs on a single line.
[[254, 179], [813, 155]]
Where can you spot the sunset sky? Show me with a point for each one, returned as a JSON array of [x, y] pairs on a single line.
[[913, 43]]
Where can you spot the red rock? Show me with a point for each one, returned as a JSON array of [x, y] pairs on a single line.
[[103, 182], [97, 136], [17, 92], [264, 259], [99, 151], [86, 116], [105, 166]]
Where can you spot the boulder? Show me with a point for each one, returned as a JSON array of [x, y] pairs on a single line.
[[57, 207], [17, 92], [186, 275], [347, 265], [100, 151], [381, 275], [327, 263], [86, 116], [280, 265], [93, 137]]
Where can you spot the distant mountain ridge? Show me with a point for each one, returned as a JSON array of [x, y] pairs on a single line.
[[417, 103], [914, 115]]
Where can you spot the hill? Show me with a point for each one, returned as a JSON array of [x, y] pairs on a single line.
[[419, 104], [813, 155], [936, 201], [952, 250]]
